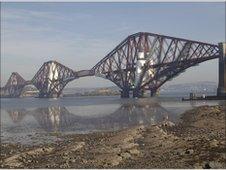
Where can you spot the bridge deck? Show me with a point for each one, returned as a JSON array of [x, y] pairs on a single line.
[[84, 73]]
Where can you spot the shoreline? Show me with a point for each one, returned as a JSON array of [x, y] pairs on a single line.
[[197, 141]]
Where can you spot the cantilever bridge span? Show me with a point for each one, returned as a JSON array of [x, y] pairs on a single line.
[[142, 61]]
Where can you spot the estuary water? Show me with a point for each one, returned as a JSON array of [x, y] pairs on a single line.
[[34, 120]]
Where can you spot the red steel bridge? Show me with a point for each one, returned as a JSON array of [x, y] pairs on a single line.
[[142, 61]]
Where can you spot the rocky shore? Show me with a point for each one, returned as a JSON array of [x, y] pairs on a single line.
[[198, 141]]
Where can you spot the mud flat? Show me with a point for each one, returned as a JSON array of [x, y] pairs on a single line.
[[198, 141]]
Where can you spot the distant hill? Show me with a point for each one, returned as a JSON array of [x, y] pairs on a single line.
[[85, 90], [198, 87], [206, 87], [106, 91]]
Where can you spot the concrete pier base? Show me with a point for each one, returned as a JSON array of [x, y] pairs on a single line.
[[221, 90], [138, 93], [153, 92], [46, 95], [124, 93]]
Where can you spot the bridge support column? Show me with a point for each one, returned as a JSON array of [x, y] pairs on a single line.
[[137, 93], [153, 92], [221, 90], [125, 93], [45, 95]]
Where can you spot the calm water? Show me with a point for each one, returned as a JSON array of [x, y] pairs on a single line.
[[33, 120]]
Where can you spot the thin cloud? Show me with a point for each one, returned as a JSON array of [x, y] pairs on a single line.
[[24, 15]]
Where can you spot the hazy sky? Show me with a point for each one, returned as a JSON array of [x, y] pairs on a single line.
[[78, 35]]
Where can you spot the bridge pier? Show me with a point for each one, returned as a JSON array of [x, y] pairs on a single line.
[[43, 95], [221, 90], [12, 91], [125, 93], [46, 95], [153, 92], [137, 93]]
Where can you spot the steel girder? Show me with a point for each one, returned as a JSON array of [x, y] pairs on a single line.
[[165, 57], [168, 72], [174, 56], [159, 58], [51, 78], [120, 64], [14, 85]]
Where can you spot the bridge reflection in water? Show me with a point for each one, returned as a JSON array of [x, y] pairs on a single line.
[[59, 119]]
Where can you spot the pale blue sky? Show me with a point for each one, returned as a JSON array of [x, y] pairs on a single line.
[[80, 34]]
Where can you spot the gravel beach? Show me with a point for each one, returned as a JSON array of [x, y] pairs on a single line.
[[197, 141]]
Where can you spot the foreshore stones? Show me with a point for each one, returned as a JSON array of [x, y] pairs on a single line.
[[214, 143], [189, 144]]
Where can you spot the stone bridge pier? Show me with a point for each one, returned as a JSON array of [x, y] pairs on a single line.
[[221, 91]]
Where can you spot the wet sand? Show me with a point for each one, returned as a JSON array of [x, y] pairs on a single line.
[[198, 141]]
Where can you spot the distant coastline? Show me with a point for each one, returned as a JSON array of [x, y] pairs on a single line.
[[96, 92], [185, 88]]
